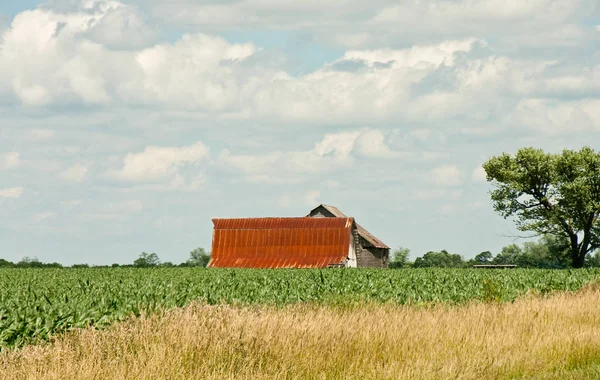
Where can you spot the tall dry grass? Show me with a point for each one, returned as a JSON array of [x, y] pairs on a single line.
[[553, 338]]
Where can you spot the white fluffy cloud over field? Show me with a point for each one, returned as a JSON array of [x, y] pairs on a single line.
[[126, 125]]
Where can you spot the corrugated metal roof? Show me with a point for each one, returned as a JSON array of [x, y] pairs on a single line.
[[280, 242], [370, 237], [361, 230]]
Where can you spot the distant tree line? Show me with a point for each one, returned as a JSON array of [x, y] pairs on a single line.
[[198, 258], [548, 252]]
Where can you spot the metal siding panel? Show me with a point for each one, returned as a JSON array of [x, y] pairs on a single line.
[[280, 242]]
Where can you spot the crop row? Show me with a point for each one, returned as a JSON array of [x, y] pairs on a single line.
[[36, 304]]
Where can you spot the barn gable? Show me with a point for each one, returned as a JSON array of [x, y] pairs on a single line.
[[370, 251], [283, 243]]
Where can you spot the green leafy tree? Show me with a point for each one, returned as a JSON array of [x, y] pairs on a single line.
[[6, 264], [399, 258], [198, 258], [510, 254], [442, 259], [547, 252], [147, 260], [484, 257], [29, 262], [550, 194], [593, 260], [557, 250]]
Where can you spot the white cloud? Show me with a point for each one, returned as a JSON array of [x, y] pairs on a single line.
[[552, 117], [159, 163], [198, 71], [479, 174], [75, 173], [422, 134], [13, 192], [48, 58], [334, 151], [284, 201], [129, 206], [455, 208], [10, 160], [110, 211], [37, 218], [121, 27], [312, 197], [39, 134], [447, 175], [69, 205], [371, 143], [429, 194], [339, 145], [357, 23], [449, 208], [44, 63], [433, 55]]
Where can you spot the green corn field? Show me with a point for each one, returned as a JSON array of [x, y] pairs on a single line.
[[37, 304]]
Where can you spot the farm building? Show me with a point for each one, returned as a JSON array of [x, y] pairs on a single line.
[[283, 243], [324, 238], [370, 251]]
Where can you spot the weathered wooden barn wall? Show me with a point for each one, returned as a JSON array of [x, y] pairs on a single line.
[[367, 254], [370, 256]]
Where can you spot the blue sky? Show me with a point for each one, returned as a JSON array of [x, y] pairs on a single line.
[[125, 126]]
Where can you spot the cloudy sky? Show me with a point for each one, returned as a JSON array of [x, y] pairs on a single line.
[[125, 126]]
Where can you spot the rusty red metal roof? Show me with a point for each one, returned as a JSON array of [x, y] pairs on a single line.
[[372, 239], [280, 242]]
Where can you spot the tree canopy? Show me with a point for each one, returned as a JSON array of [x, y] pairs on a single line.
[[147, 260], [399, 258], [198, 258], [442, 259], [551, 194]]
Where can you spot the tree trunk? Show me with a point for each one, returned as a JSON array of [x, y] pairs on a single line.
[[576, 256], [578, 260]]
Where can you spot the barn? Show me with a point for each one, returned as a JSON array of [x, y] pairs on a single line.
[[324, 238], [283, 243], [370, 251]]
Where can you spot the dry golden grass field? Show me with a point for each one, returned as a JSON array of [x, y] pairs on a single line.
[[556, 337]]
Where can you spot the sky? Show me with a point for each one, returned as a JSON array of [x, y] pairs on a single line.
[[126, 126]]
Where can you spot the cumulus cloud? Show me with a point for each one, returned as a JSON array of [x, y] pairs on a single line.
[[39, 134], [42, 63], [157, 163], [478, 174], [447, 175], [198, 71], [12, 192], [435, 193], [40, 217], [553, 117], [357, 23], [432, 55], [284, 200], [112, 211], [50, 58], [334, 151], [75, 173], [10, 160], [121, 27], [312, 197]]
